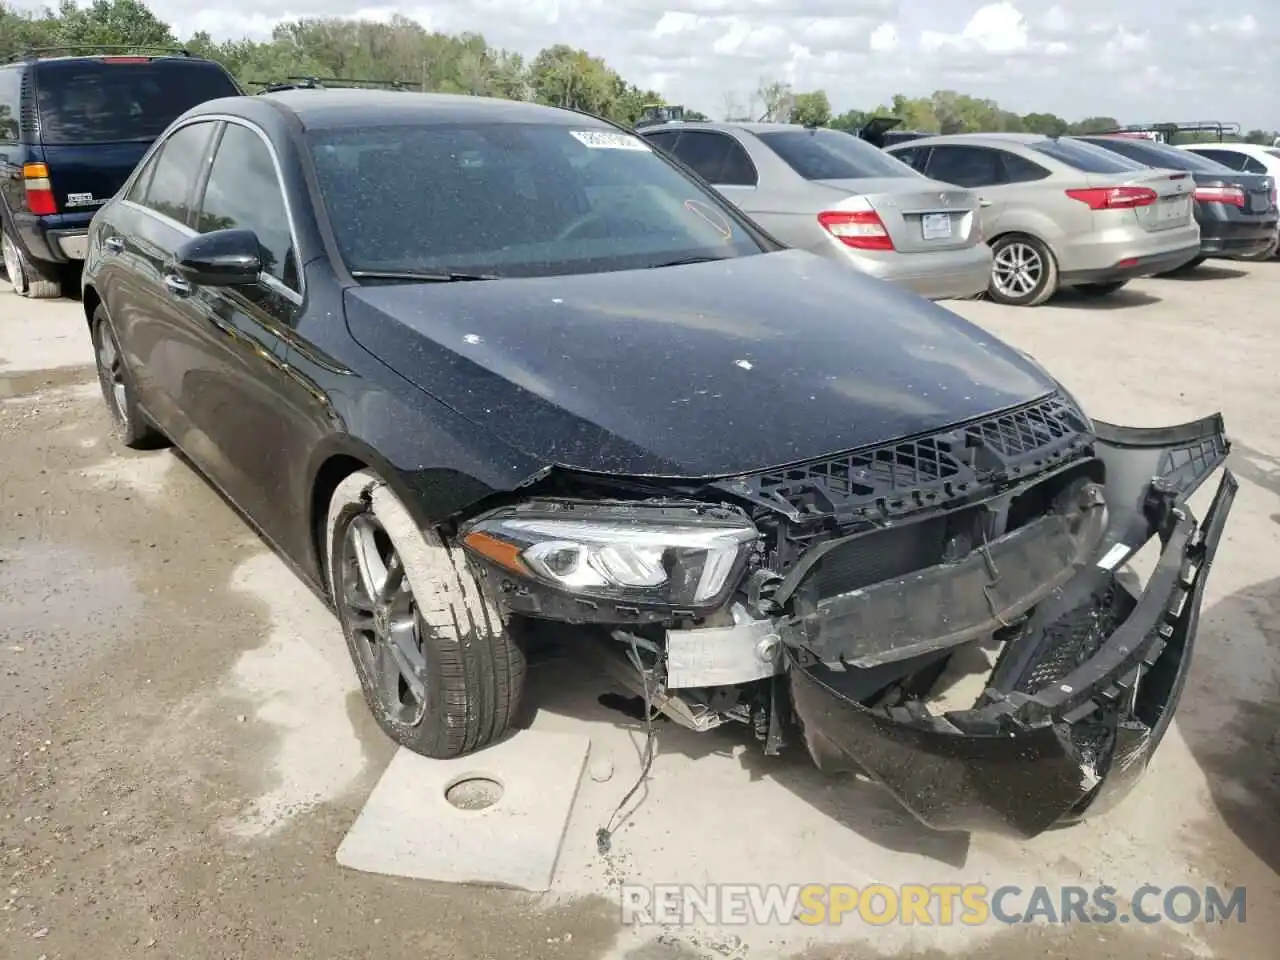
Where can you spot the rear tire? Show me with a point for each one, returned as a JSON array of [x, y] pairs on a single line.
[[440, 671], [37, 281], [128, 422], [1100, 289], [1024, 272]]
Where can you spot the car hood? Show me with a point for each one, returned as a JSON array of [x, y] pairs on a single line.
[[704, 370]]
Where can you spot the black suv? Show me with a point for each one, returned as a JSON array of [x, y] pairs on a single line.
[[72, 128]]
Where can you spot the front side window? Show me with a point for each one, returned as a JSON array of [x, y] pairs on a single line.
[[514, 200], [168, 186], [245, 193], [824, 154]]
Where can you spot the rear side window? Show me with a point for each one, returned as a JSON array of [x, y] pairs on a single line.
[[1021, 170], [175, 170], [1228, 158], [832, 155], [664, 139], [716, 157], [1084, 156], [10, 94], [965, 166], [114, 100]]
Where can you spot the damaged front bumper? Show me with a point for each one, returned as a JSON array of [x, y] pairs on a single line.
[[1089, 673]]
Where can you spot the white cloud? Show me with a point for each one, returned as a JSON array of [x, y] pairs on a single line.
[[1078, 58], [884, 38]]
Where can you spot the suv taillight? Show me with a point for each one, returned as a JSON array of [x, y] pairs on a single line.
[[859, 229], [1232, 196], [40, 200], [1114, 198]]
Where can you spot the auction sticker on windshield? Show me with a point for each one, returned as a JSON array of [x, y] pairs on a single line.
[[609, 140]]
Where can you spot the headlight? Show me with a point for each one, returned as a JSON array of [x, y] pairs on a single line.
[[678, 556]]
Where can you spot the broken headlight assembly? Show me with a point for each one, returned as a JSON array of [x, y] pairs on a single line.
[[678, 556]]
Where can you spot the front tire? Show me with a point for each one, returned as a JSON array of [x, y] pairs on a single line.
[[1024, 272], [440, 671], [128, 422], [28, 279]]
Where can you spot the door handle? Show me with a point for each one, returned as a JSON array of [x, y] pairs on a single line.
[[984, 202], [176, 285], [114, 244]]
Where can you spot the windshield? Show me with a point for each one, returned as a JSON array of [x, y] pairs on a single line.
[[1084, 156], [514, 200], [114, 100], [833, 155], [1159, 155]]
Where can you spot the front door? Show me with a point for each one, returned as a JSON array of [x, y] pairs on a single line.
[[240, 398]]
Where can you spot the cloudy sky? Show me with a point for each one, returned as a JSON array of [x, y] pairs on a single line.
[[1134, 59]]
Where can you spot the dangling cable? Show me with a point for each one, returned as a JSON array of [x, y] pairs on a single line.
[[604, 836]]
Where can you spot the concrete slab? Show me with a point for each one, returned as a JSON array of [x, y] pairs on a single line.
[[409, 828]]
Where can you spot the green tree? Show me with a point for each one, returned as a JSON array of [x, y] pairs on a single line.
[[1094, 125], [813, 109], [1048, 124], [108, 22]]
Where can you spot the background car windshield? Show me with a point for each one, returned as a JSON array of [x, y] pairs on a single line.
[[833, 155], [106, 101], [1161, 156], [1086, 157], [514, 200]]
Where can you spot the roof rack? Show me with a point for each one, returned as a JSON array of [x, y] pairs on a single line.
[[1167, 131], [325, 83], [35, 53]]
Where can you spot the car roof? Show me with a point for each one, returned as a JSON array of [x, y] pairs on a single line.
[[1250, 148], [974, 140], [724, 126], [350, 107]]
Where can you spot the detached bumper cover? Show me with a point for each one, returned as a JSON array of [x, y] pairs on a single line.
[[1080, 697]]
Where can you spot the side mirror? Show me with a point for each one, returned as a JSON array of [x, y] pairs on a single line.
[[222, 258]]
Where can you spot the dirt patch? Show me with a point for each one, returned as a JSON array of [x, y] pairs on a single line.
[[118, 775]]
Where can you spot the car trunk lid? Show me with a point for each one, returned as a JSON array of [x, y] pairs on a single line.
[[1251, 195], [1130, 194], [919, 215]]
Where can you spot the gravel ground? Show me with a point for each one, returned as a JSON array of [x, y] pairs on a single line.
[[182, 746]]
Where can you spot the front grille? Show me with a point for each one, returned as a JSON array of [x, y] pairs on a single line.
[[898, 477], [1075, 637]]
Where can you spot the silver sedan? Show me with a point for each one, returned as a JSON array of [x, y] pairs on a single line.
[[833, 194]]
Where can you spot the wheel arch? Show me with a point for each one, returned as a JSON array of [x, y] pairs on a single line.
[[432, 496], [90, 300]]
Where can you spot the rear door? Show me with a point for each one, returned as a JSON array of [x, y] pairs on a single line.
[[139, 236], [98, 116], [975, 168]]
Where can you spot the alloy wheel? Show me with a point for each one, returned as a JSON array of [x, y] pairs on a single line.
[[111, 375], [1017, 270], [382, 614]]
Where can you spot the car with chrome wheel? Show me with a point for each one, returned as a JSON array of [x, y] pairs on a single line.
[[561, 382], [1059, 213]]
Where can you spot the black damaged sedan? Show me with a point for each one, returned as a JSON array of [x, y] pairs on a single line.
[[471, 364]]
